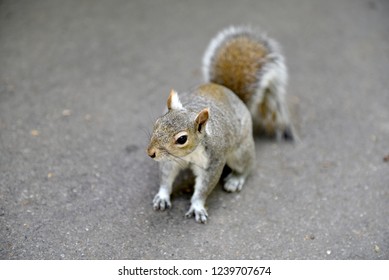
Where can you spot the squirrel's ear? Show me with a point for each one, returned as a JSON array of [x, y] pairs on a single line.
[[173, 102], [202, 119]]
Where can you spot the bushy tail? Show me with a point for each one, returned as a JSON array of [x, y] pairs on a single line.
[[244, 61], [251, 65]]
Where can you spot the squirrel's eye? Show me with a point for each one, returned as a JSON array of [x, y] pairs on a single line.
[[182, 140]]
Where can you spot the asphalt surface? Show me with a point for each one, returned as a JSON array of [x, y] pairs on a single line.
[[81, 83]]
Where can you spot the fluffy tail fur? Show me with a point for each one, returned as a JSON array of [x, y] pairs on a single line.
[[252, 65]]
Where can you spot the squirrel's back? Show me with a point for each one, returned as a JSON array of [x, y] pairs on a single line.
[[252, 66]]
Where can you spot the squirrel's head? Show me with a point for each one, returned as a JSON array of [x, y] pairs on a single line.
[[178, 132]]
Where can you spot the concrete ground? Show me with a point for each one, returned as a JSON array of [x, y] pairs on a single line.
[[81, 83]]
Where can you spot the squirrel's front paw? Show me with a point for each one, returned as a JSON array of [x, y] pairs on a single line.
[[161, 202], [198, 212]]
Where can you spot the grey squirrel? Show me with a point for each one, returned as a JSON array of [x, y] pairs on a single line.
[[212, 125]]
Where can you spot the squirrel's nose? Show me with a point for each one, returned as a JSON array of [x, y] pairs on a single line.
[[151, 152]]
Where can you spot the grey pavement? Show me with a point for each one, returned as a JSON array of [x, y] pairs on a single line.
[[81, 83]]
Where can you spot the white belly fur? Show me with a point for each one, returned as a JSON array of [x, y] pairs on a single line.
[[198, 157]]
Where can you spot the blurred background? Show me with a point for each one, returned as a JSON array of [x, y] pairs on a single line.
[[81, 83]]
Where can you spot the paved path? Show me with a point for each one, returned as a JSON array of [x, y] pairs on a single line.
[[82, 81]]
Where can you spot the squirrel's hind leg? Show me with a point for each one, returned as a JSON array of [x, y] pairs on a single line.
[[241, 162]]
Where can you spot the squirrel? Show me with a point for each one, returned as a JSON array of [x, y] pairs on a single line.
[[211, 126]]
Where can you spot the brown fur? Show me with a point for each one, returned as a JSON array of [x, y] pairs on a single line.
[[237, 64], [212, 91]]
